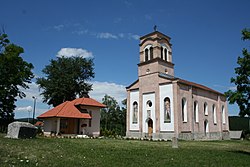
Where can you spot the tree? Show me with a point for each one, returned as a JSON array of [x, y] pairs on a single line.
[[66, 79], [242, 81], [15, 74], [113, 118]]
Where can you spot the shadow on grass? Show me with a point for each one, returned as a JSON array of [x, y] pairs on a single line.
[[241, 152]]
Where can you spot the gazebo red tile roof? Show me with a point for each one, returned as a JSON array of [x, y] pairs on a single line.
[[68, 109]]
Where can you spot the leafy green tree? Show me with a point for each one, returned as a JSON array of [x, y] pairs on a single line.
[[66, 78], [113, 118], [242, 81], [15, 74]]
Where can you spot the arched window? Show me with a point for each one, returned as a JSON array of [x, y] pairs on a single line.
[[146, 54], [162, 53], [165, 54], [168, 56], [135, 113], [184, 109], [151, 53], [205, 109], [214, 114], [206, 127], [167, 110], [196, 112], [149, 105], [223, 115]]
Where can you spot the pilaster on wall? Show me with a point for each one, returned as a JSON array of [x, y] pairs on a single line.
[[128, 111], [157, 108], [190, 109], [176, 107], [219, 114]]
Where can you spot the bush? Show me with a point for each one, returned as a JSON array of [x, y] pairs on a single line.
[[246, 134], [108, 133]]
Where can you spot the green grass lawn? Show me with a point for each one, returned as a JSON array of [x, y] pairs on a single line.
[[110, 152]]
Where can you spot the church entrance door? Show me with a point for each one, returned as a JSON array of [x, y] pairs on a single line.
[[150, 128]]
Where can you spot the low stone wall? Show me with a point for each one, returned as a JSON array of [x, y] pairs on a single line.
[[182, 136], [201, 136]]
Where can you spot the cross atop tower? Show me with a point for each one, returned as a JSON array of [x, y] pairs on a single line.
[[155, 28]]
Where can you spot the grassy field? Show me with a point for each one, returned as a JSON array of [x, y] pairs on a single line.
[[110, 152]]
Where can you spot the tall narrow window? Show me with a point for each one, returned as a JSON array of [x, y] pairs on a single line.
[[196, 113], [184, 109], [223, 115], [146, 54], [206, 127], [214, 114], [165, 54], [167, 110], [151, 53], [135, 113], [162, 53], [205, 109]]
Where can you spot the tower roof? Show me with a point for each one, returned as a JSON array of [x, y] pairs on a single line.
[[156, 34]]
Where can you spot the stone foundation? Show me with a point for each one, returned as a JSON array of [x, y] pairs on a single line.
[[182, 136]]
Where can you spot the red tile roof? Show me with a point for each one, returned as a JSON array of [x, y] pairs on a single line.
[[88, 102], [39, 123], [68, 109]]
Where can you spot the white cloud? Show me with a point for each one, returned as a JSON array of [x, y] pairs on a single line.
[[28, 108], [81, 32], [112, 89], [106, 35], [134, 36], [121, 35], [33, 91], [59, 27], [74, 52]]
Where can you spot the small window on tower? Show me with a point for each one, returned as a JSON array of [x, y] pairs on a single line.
[[165, 54], [146, 54], [147, 71], [162, 53], [151, 53]]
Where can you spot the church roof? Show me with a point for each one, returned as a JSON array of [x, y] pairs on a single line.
[[68, 109], [198, 86], [179, 80]]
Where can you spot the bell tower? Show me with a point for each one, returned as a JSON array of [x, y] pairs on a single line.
[[155, 55]]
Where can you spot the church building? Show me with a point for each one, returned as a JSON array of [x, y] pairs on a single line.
[[162, 106]]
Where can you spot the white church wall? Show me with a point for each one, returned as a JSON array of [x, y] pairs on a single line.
[[166, 91], [146, 109], [134, 97]]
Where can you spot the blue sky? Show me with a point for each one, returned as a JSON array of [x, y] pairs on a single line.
[[206, 38]]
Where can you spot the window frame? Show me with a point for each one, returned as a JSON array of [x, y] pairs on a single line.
[[184, 110]]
